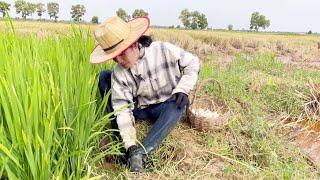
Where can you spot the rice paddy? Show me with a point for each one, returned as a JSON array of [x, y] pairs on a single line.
[[52, 118]]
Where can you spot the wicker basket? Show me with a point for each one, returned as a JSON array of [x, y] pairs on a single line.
[[213, 104]]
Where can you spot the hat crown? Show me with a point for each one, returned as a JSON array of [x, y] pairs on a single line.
[[112, 32]]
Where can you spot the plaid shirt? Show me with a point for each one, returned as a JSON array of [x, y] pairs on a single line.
[[161, 71]]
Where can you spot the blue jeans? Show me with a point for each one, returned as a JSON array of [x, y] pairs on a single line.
[[165, 115]]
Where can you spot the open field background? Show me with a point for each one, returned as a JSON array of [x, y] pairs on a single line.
[[51, 117]]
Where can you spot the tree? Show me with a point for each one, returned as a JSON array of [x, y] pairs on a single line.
[[4, 8], [258, 21], [40, 9], [309, 32], [230, 27], [202, 21], [25, 8], [53, 10], [95, 20], [18, 5], [185, 18], [123, 14], [31, 8], [139, 13], [193, 19], [77, 11]]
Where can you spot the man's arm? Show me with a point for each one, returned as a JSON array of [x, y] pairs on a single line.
[[121, 98], [189, 65]]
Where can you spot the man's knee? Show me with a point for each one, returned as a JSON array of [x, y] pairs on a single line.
[[171, 106]]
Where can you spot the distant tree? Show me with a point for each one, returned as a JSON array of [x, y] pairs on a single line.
[[4, 8], [25, 8], [193, 20], [178, 27], [309, 32], [123, 14], [230, 27], [40, 8], [19, 5], [185, 16], [139, 13], [202, 21], [95, 20], [53, 10], [77, 11], [31, 8], [258, 21]]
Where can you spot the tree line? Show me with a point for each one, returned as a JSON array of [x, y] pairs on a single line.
[[25, 9], [189, 19]]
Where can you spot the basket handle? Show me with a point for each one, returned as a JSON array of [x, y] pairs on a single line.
[[202, 83]]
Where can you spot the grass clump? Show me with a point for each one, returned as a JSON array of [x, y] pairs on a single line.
[[50, 122]]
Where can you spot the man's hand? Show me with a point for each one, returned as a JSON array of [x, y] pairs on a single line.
[[181, 99]]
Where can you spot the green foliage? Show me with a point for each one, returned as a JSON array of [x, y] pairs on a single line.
[[77, 11], [95, 20], [230, 27], [258, 21], [139, 13], [309, 32], [123, 14], [40, 8], [185, 18], [53, 10], [193, 20], [19, 5], [25, 8], [50, 121], [4, 8]]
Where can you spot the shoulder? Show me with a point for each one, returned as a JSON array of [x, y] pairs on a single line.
[[164, 46], [119, 73]]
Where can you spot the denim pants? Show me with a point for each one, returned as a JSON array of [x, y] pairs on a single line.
[[165, 115]]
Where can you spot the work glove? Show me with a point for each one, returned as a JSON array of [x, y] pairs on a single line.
[[181, 99], [135, 159]]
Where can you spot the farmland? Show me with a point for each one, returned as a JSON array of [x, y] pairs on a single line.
[[52, 118]]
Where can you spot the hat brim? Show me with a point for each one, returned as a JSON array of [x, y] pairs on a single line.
[[138, 27]]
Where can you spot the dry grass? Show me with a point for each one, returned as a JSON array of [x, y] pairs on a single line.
[[301, 48]]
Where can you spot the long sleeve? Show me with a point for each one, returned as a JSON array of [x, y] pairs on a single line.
[[189, 65], [122, 99]]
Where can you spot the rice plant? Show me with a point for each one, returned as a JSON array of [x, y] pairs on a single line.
[[50, 120]]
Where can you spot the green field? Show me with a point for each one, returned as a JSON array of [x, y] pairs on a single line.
[[52, 118]]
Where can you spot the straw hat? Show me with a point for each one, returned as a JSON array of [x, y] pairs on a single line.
[[115, 35]]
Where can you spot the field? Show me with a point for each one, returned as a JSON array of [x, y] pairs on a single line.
[[52, 118]]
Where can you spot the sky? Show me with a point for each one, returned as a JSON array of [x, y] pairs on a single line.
[[285, 15]]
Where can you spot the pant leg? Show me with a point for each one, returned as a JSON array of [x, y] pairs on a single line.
[[169, 116], [104, 85]]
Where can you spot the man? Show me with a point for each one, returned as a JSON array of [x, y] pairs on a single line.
[[154, 76]]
